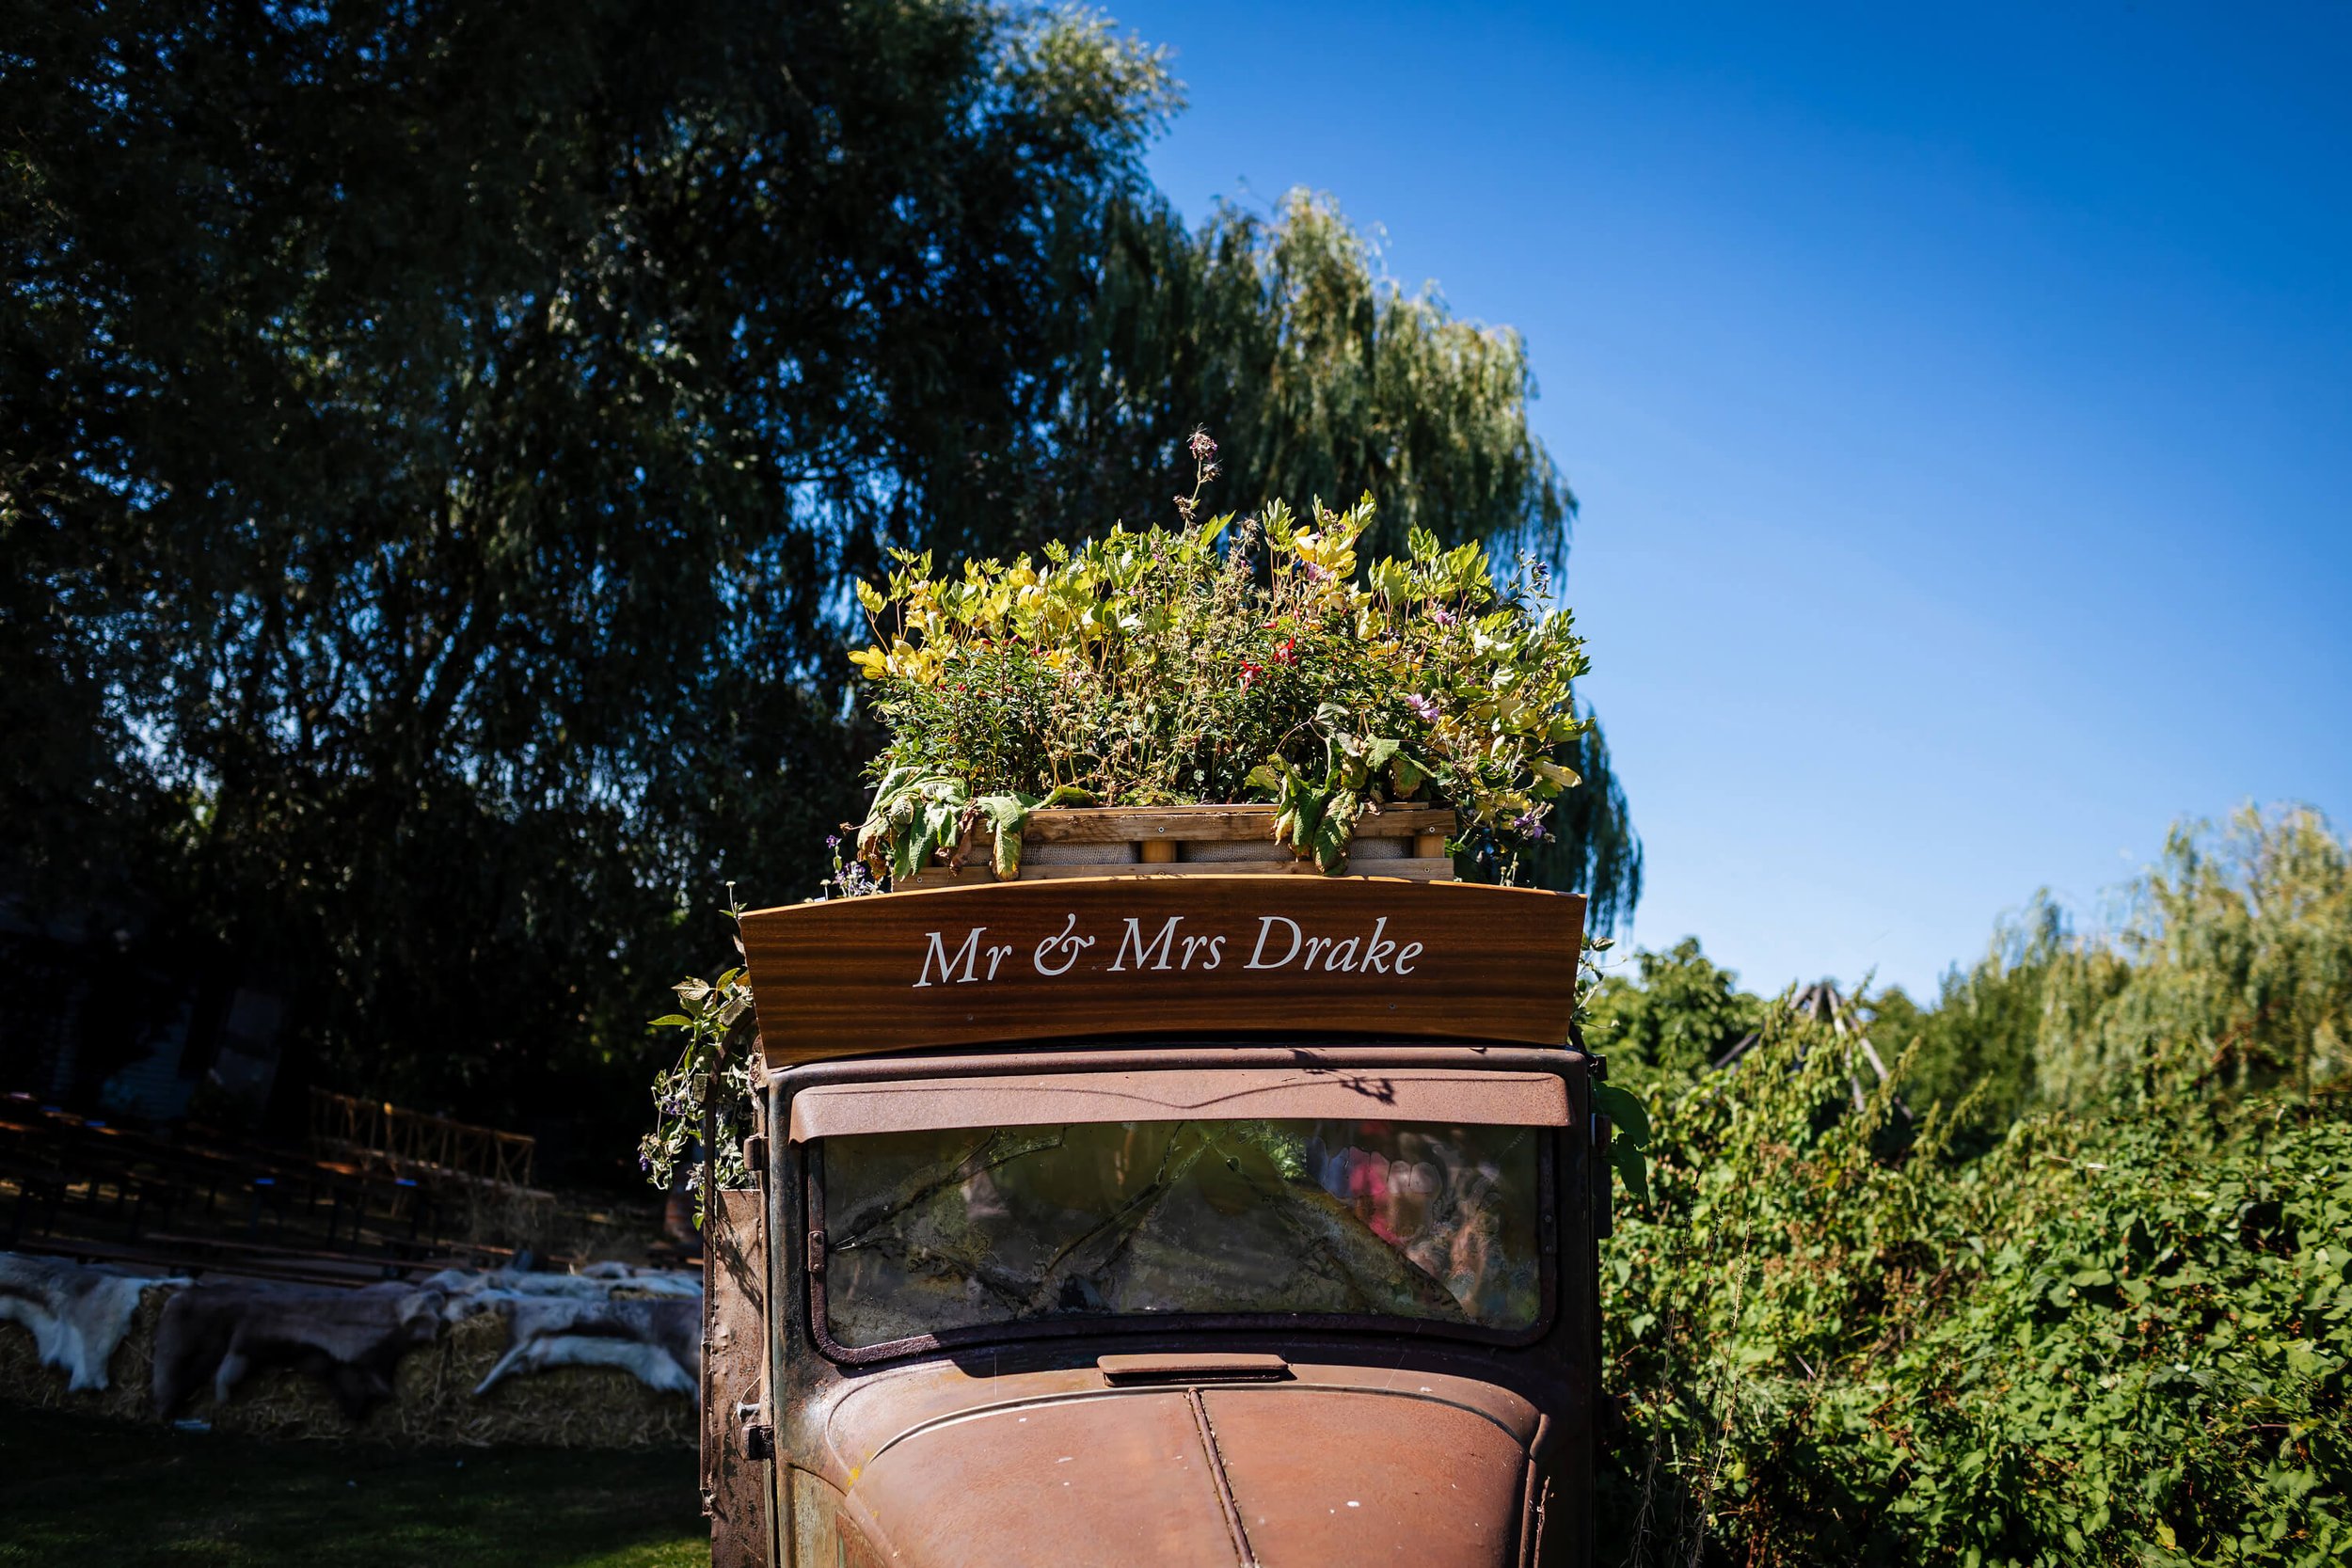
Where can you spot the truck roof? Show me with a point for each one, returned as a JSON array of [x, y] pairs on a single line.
[[1138, 955]]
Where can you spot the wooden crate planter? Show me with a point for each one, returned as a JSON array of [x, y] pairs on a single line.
[[1176, 841]]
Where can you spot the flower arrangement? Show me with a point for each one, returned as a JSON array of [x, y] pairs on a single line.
[[1214, 661], [1217, 661]]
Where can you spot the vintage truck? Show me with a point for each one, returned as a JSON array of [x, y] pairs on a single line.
[[1201, 1219]]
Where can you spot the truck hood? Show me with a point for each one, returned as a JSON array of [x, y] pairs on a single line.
[[1319, 1471]]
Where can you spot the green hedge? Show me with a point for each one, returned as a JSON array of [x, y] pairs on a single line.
[[2120, 1333]]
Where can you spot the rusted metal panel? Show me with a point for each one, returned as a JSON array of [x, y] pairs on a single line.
[[1109, 955], [1075, 1482], [736, 1418], [1114, 1480], [870, 1416], [1406, 1094], [1320, 1476], [944, 1464]]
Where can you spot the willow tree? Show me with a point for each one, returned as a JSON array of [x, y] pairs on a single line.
[[1322, 377], [436, 438]]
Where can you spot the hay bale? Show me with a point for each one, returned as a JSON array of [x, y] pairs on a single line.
[[432, 1402], [24, 1380]]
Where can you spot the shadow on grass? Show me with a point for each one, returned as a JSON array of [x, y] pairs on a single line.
[[77, 1490]]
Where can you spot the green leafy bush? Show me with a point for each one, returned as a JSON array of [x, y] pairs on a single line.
[[2111, 1340], [1677, 1013], [1162, 667], [2122, 1334]]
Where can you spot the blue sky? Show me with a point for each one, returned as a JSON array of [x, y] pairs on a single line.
[[1961, 405]]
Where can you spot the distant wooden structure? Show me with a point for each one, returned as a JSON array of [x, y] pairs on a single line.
[[375, 1133], [1822, 1002]]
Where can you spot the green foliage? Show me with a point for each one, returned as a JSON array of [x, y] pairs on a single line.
[[702, 1100], [2226, 972], [1155, 667], [1979, 1037], [1588, 845], [1681, 1013], [439, 439], [2230, 971], [2122, 1333], [1321, 375], [918, 812], [1629, 1148]]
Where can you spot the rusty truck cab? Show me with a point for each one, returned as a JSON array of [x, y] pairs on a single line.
[[1203, 1220]]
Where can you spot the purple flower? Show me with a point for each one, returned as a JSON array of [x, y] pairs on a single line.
[[1423, 706], [1315, 573], [1530, 826], [1203, 448], [644, 1161], [832, 841], [1443, 616]]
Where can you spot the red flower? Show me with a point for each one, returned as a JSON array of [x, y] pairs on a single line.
[[1286, 651], [1250, 670]]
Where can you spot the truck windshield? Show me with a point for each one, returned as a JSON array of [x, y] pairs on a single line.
[[933, 1232]]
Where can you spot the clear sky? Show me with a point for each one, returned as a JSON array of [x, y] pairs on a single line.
[[1960, 404]]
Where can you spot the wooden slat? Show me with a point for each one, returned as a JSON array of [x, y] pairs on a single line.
[[1410, 870], [1216, 953], [1210, 824]]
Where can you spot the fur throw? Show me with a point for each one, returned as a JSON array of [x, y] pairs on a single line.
[[353, 1339], [78, 1313]]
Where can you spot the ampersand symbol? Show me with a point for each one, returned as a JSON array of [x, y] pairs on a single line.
[[1069, 944]]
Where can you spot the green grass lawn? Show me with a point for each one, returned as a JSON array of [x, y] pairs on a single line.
[[74, 1490]]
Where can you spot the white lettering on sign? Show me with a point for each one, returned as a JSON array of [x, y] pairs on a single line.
[[1067, 945], [1266, 924], [964, 956], [1163, 944], [1279, 943]]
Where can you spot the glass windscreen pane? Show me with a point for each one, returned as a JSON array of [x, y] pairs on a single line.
[[937, 1231]]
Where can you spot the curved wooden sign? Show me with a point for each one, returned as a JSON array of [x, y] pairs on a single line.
[[1137, 955]]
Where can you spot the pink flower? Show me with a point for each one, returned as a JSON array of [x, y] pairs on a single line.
[[1443, 616], [1201, 447], [1426, 710]]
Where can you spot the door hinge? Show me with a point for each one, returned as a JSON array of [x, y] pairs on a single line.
[[759, 1437]]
